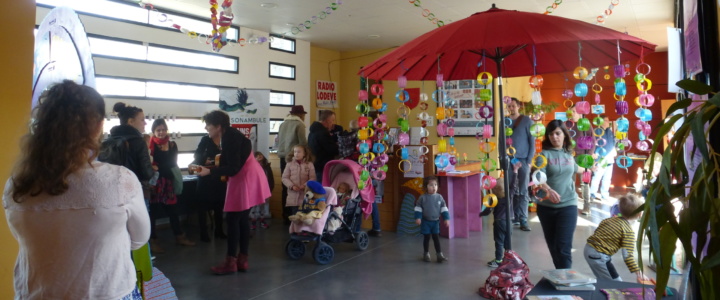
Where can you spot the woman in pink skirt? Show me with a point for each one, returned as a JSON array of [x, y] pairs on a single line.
[[246, 187]]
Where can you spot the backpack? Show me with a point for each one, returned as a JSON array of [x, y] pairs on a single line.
[[115, 150], [509, 280]]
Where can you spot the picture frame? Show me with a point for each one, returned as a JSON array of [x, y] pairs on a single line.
[[598, 109], [465, 107]]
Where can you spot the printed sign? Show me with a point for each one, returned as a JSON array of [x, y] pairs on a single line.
[[326, 94], [249, 111]]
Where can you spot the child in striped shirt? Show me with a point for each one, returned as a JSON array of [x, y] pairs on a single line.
[[612, 235]]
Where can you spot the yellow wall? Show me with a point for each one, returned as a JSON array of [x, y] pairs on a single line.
[[325, 66], [16, 59]]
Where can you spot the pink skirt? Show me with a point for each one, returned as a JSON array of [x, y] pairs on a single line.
[[247, 188]]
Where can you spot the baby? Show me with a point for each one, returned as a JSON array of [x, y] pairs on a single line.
[[313, 204], [343, 193]]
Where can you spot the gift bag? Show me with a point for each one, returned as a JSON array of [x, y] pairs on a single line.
[[177, 180], [509, 280]]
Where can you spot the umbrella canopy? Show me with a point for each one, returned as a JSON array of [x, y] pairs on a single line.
[[497, 33]]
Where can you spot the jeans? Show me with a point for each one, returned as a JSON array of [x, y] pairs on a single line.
[[601, 177], [238, 223], [520, 199], [558, 226], [375, 217], [600, 264], [500, 233]]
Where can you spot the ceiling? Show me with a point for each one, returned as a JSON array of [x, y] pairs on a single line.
[[378, 24]]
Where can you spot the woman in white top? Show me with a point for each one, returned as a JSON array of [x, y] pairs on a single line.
[[75, 219]]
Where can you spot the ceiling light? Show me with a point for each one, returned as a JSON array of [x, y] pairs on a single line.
[[373, 36], [268, 5]]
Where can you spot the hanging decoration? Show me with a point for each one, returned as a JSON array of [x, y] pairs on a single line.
[[584, 140], [550, 9], [602, 17], [427, 14], [424, 118], [442, 160], [403, 112], [621, 108], [643, 101], [310, 22], [219, 35], [365, 133], [537, 129]]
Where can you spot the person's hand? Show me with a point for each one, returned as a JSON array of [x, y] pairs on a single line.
[[209, 162], [295, 188], [418, 221], [517, 166], [553, 196], [155, 168], [447, 223], [204, 171], [641, 278]]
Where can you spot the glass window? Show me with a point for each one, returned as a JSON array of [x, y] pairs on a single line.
[[181, 91], [275, 125], [103, 8], [186, 126], [193, 59], [282, 98], [202, 27], [119, 87], [278, 70], [100, 46], [184, 159], [282, 44]]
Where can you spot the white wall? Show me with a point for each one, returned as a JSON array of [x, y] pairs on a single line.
[[253, 69]]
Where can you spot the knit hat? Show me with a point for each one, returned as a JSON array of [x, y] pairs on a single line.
[[316, 187]]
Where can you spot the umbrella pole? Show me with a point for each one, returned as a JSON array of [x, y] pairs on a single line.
[[501, 151]]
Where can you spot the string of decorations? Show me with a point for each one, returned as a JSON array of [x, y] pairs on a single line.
[[424, 118], [621, 108], [483, 99], [310, 22], [643, 101], [607, 13], [552, 7], [441, 113], [427, 14]]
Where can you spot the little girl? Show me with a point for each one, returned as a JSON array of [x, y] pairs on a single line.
[[258, 212], [428, 209], [298, 172], [343, 195]]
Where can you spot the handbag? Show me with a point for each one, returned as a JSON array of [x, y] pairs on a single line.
[[177, 180]]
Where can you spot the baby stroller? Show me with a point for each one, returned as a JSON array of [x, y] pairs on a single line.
[[360, 204]]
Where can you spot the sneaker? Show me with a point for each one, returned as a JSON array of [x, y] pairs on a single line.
[[264, 225], [441, 257], [525, 228], [253, 226], [494, 263], [516, 222], [426, 257], [375, 233]]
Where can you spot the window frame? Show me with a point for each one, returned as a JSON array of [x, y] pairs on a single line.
[[271, 63], [163, 81], [275, 120], [277, 36], [283, 92]]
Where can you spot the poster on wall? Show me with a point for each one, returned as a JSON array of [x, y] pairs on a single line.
[[249, 111], [465, 108], [414, 168], [326, 94]]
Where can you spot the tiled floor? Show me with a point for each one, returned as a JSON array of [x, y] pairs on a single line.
[[391, 268]]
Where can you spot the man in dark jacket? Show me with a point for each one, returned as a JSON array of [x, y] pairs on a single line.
[[323, 145]]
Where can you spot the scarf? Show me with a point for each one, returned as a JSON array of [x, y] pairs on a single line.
[[157, 141]]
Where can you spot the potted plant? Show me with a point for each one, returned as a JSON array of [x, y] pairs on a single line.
[[695, 185]]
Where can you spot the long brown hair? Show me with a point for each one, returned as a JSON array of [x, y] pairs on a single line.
[[309, 157], [63, 130]]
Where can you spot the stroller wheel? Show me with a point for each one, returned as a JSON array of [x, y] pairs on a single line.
[[295, 249], [323, 253], [362, 240]]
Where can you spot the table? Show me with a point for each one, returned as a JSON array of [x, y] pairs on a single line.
[[462, 194], [544, 287]]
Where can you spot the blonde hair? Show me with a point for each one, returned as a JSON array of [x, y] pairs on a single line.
[[628, 204], [499, 188], [308, 154], [345, 184]]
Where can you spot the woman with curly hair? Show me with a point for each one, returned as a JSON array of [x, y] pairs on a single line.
[[75, 219]]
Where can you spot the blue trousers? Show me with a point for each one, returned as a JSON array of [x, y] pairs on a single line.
[[500, 233], [558, 226]]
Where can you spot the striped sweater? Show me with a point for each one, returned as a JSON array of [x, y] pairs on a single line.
[[612, 235]]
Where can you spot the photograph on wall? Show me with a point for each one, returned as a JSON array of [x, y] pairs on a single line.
[[414, 166], [465, 108], [598, 109]]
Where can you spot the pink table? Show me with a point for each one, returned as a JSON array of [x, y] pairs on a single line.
[[462, 194]]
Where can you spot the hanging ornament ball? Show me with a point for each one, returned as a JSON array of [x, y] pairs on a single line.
[[508, 131], [567, 94], [537, 130], [639, 77], [580, 73]]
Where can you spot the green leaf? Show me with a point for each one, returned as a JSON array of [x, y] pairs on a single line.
[[694, 86], [679, 105], [715, 100], [697, 128]]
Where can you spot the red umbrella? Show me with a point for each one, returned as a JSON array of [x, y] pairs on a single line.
[[537, 44], [498, 33]]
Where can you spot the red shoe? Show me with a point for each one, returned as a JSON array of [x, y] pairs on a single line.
[[242, 262], [230, 265]]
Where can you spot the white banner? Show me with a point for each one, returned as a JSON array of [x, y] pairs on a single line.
[[249, 111], [326, 94]]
